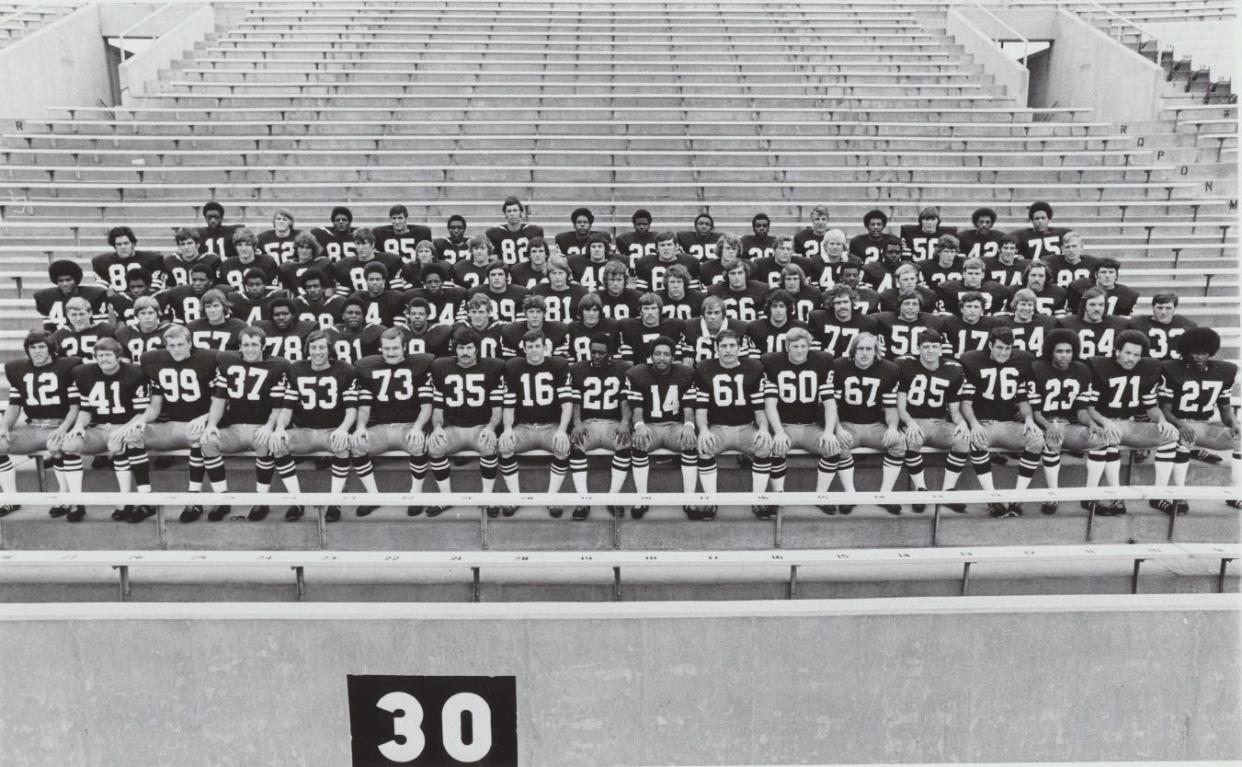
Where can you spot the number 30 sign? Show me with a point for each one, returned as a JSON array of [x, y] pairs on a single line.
[[433, 721]]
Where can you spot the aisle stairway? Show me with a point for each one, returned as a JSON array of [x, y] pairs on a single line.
[[19, 19]]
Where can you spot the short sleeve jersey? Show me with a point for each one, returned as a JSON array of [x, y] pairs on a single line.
[[863, 394], [252, 389], [1059, 393], [184, 385], [800, 390], [111, 399], [467, 395], [599, 391], [662, 396], [930, 392], [1197, 394], [1121, 393], [995, 389], [395, 393], [729, 395], [536, 393], [42, 393], [320, 399]]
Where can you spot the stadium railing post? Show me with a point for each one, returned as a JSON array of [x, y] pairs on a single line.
[[965, 578], [777, 525], [793, 581], [616, 530], [1090, 521], [1134, 578], [483, 540], [161, 527], [474, 575], [299, 573], [323, 528], [124, 583], [1220, 578], [935, 525], [616, 584]]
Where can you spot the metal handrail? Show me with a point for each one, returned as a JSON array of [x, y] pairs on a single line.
[[121, 37], [1026, 44], [1109, 12]]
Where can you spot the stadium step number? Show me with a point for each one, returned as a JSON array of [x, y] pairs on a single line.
[[433, 721]]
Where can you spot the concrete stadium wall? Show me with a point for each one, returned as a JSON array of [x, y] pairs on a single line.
[[977, 34], [173, 36], [903, 680], [1208, 43], [63, 63]]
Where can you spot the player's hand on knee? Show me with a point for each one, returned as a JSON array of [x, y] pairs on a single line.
[[6, 437], [360, 441], [1167, 430], [707, 443], [688, 439], [829, 444], [486, 441], [194, 429], [507, 442], [642, 437], [762, 443], [438, 440], [1112, 433], [1187, 433], [338, 440], [780, 444], [416, 442], [892, 437], [560, 443], [979, 439], [846, 439], [620, 439]]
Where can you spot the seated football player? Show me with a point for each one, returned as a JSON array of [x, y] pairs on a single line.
[[354, 338], [741, 297], [1197, 387], [511, 238], [1125, 388], [637, 333], [478, 318], [983, 241], [284, 336], [399, 237], [66, 277], [1096, 329], [866, 300], [1060, 391], [1029, 327], [81, 333], [472, 272], [899, 330], [1163, 326], [246, 395], [996, 405], [467, 400], [729, 415], [601, 419], [869, 246], [231, 271], [177, 265], [350, 273], [700, 243], [455, 247], [946, 266], [505, 298], [994, 296], [250, 304], [587, 268], [448, 301], [319, 304], [759, 243], [862, 412], [825, 270], [920, 239], [411, 274], [806, 297], [537, 414], [422, 337], [796, 393], [527, 274], [276, 243], [1006, 268], [699, 335], [660, 393], [113, 406], [217, 237], [1071, 265], [619, 302], [835, 327], [728, 252], [967, 331], [217, 329], [929, 395], [770, 333], [1041, 239], [184, 303], [180, 377], [1119, 299], [640, 242], [560, 297], [144, 333], [650, 271], [137, 285], [110, 268], [40, 387], [320, 409], [807, 240], [1050, 298], [394, 409], [767, 269], [576, 240], [906, 280], [533, 318], [681, 297], [381, 305]]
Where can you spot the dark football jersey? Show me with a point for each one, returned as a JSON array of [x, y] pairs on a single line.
[[806, 301], [633, 246], [434, 340], [490, 343], [320, 399], [289, 343], [622, 306], [559, 305], [763, 337], [1197, 394], [42, 393], [506, 305], [578, 339], [1028, 336], [995, 297], [81, 343], [349, 274], [1006, 275], [395, 393], [511, 246], [867, 301], [112, 271], [662, 397], [1064, 274], [571, 243], [930, 392], [446, 303], [1033, 244], [1094, 339], [50, 304], [635, 336], [879, 276], [687, 306], [217, 241], [834, 337], [808, 243], [825, 274], [111, 399], [698, 248], [866, 248], [466, 396], [900, 338], [960, 337], [122, 306], [1050, 300], [1163, 338], [995, 388], [650, 270], [451, 251], [252, 309], [470, 275], [352, 345], [863, 394], [1059, 393], [335, 244], [922, 245], [289, 274], [711, 273], [698, 344], [729, 395], [801, 390], [177, 269], [511, 334], [324, 314], [225, 336], [251, 389], [598, 392], [976, 244], [382, 309], [535, 393], [184, 385], [400, 244], [137, 342], [233, 271], [526, 276], [276, 247], [590, 274], [1120, 393], [890, 300], [933, 272], [768, 270], [1119, 301], [181, 304], [746, 305], [755, 246]]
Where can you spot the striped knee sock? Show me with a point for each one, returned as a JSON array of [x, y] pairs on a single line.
[[1052, 468], [707, 474], [1027, 464], [196, 469], [340, 473], [140, 468], [641, 464], [264, 470], [366, 472], [825, 472]]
